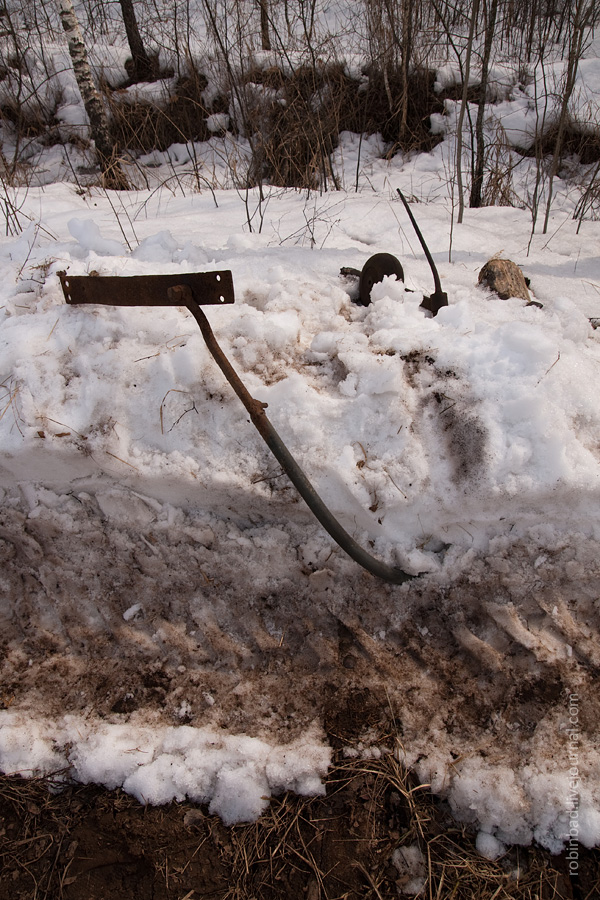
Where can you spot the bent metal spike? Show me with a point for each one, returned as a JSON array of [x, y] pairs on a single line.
[[381, 264], [216, 288], [439, 298]]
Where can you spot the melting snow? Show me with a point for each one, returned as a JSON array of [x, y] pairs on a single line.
[[173, 620]]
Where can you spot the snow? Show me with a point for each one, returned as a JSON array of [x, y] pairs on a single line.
[[173, 617], [234, 774], [217, 122], [489, 846], [411, 866], [442, 442]]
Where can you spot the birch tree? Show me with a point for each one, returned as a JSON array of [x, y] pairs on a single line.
[[112, 173]]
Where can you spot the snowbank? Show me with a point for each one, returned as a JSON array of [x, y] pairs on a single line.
[[234, 775], [165, 595]]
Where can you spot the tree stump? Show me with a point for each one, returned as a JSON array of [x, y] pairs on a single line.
[[505, 278]]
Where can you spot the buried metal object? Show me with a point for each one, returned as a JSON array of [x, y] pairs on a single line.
[[374, 270], [381, 264], [217, 288], [439, 298]]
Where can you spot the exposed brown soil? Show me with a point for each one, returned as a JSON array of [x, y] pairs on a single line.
[[472, 678], [84, 843]]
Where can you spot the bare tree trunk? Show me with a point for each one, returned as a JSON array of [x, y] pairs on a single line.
[[264, 24], [307, 17], [581, 19], [407, 37], [143, 69], [477, 185], [463, 107], [111, 170], [534, 22]]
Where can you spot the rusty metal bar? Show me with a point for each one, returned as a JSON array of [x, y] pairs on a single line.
[[214, 288], [217, 288]]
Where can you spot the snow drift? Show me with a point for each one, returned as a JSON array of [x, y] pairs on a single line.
[[174, 621]]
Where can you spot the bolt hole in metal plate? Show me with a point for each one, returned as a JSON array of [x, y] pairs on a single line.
[[208, 288]]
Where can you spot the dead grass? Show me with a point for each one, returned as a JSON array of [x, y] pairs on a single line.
[[293, 120], [300, 126], [500, 162], [380, 116], [9, 401], [576, 142], [142, 126], [71, 841]]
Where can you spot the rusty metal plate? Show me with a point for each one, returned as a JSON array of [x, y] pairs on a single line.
[[208, 288]]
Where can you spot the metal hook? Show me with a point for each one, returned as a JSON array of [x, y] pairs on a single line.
[[216, 288]]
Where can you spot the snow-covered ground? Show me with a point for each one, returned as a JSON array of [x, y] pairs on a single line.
[[173, 618], [524, 94]]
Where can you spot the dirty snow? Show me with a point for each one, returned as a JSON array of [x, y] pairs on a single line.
[[173, 619]]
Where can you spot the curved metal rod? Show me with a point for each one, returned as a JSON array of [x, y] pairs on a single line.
[[436, 278], [182, 295]]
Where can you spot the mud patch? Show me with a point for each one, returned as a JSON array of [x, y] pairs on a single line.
[[374, 833], [466, 440], [265, 630]]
